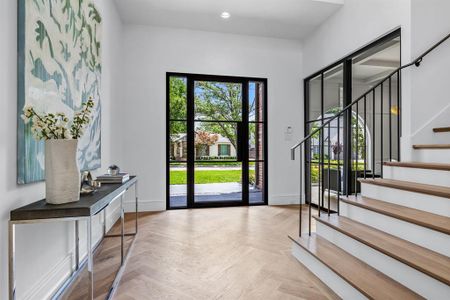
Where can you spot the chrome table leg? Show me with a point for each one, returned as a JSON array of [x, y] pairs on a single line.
[[12, 260], [122, 230], [77, 246], [90, 258]]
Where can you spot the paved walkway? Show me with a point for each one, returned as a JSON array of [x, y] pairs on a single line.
[[213, 192]]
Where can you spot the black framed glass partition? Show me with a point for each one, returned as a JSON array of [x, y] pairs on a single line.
[[216, 141], [335, 156]]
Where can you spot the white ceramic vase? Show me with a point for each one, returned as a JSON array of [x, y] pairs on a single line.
[[62, 174]]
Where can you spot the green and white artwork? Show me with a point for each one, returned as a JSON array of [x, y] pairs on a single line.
[[59, 68]]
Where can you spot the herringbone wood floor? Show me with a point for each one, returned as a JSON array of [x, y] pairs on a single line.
[[217, 253]]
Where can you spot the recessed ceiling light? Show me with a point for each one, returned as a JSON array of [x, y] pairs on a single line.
[[225, 15]]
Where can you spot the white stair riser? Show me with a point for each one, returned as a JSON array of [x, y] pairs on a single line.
[[425, 176], [433, 204], [431, 239], [413, 279], [341, 287], [431, 155]]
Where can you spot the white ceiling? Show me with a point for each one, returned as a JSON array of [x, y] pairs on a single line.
[[291, 19]]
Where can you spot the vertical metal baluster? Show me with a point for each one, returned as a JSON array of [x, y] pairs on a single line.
[[339, 164], [390, 119], [329, 166], [322, 163], [381, 129], [398, 115], [357, 149], [373, 133], [365, 135], [319, 171]]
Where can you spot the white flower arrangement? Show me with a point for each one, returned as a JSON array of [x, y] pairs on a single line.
[[57, 125]]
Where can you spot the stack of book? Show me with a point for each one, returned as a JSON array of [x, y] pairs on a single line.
[[119, 178]]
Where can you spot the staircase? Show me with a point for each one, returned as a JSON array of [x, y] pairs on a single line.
[[391, 240]]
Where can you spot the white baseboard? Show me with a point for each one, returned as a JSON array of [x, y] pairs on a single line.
[[51, 281], [284, 199], [145, 205]]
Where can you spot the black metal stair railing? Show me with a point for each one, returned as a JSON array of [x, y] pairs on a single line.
[[361, 151]]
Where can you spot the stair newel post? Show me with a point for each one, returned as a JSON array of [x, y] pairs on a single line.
[[301, 190], [310, 184]]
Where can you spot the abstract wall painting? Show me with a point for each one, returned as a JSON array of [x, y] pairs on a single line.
[[59, 67]]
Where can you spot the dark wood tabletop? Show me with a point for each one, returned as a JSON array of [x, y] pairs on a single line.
[[88, 205]]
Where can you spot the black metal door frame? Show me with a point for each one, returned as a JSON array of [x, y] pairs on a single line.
[[346, 62], [243, 144]]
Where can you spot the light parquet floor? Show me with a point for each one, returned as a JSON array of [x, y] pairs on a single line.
[[217, 253]]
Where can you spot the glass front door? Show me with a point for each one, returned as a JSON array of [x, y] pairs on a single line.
[[215, 141]]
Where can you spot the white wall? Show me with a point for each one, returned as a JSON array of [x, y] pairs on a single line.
[[150, 52], [429, 84], [423, 23], [357, 24], [44, 251]]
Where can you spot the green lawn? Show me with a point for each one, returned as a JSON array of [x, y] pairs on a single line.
[[207, 176], [213, 164]]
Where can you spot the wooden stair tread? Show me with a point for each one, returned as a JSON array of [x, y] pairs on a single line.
[[358, 274], [433, 190], [441, 129], [432, 146], [419, 165], [407, 214], [424, 260]]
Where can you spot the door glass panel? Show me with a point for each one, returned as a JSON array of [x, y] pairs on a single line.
[[256, 141], [333, 91], [215, 141], [256, 101], [178, 98], [178, 185], [178, 141], [368, 69], [256, 182], [218, 182], [218, 101], [315, 98], [218, 174]]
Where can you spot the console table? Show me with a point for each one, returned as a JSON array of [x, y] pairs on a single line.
[[83, 210]]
